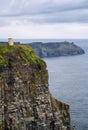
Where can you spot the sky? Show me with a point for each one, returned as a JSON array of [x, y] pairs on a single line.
[[44, 19]]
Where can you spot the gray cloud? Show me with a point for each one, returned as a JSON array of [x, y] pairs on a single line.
[[43, 11], [43, 6], [77, 16]]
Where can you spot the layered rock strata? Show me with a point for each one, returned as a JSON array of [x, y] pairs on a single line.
[[25, 99]]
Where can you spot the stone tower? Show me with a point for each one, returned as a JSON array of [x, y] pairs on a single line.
[[10, 42]]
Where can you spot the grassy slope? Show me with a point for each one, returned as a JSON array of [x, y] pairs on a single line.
[[25, 54]]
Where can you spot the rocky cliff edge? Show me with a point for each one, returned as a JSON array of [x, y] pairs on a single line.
[[25, 99]]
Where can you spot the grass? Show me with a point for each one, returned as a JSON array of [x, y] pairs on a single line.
[[21, 53]]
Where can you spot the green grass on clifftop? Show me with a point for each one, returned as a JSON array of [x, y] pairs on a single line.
[[19, 53]]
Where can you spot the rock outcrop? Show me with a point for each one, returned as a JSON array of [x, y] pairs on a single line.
[[56, 49], [25, 99]]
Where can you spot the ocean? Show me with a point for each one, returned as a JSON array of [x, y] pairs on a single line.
[[68, 80]]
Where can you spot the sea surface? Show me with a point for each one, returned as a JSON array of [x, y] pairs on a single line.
[[68, 80]]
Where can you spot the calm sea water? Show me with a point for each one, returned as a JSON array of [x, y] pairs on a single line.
[[68, 79]]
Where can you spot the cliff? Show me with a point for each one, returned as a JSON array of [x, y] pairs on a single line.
[[56, 49], [53, 49], [25, 99]]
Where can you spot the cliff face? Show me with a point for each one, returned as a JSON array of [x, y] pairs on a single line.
[[25, 100], [56, 49]]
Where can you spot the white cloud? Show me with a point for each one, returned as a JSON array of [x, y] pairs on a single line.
[[44, 18], [45, 31]]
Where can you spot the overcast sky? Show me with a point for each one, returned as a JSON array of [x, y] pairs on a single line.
[[44, 19]]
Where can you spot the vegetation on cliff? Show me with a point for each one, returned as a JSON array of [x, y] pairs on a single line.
[[25, 101], [24, 54]]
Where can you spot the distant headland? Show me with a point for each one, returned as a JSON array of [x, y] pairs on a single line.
[[56, 49], [53, 49]]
